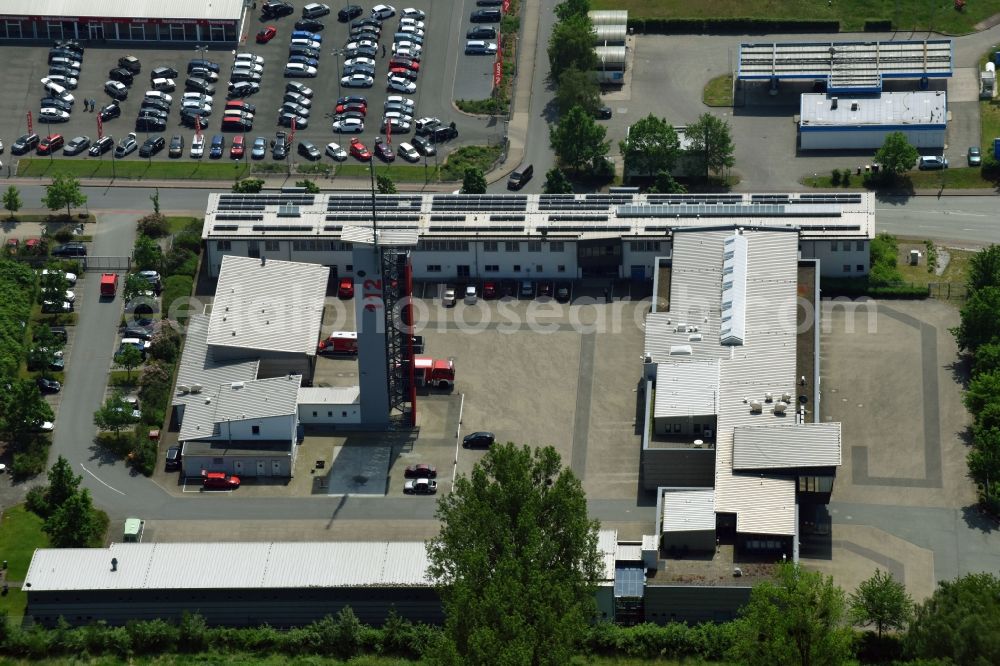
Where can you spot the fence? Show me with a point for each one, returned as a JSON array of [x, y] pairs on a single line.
[[947, 291]]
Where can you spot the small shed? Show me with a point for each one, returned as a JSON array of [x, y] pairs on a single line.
[[608, 16], [688, 518], [133, 530]]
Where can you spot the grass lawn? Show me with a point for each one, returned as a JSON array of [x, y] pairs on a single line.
[[120, 378], [961, 178], [409, 173], [466, 157], [718, 91], [955, 274], [938, 15], [20, 534], [135, 169], [179, 223]]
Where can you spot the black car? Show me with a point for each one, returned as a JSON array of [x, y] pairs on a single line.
[[176, 146], [272, 9], [146, 123], [109, 111], [309, 150], [48, 385], [173, 458], [485, 16], [203, 64], [489, 3], [154, 112], [121, 74], [236, 124], [101, 146], [59, 333], [70, 250], [359, 68], [160, 104], [478, 440], [55, 103], [482, 32], [372, 22], [199, 85], [70, 45], [349, 12], [131, 63], [140, 332], [61, 70], [163, 73], [423, 146], [365, 32], [280, 145], [303, 51], [243, 89], [244, 75], [603, 113], [151, 146], [445, 133], [384, 150], [312, 25], [352, 99], [189, 116]]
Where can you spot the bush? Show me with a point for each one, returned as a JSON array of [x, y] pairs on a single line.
[[37, 502], [835, 177], [189, 239], [176, 290], [154, 383], [878, 25], [180, 261], [63, 235], [152, 636], [154, 225], [30, 462], [248, 186]]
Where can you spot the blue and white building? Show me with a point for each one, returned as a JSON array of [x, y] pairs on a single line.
[[831, 122]]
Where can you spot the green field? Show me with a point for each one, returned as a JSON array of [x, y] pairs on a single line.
[[961, 178], [20, 534], [937, 15], [718, 91], [134, 169]]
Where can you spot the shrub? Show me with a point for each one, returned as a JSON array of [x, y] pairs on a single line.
[[30, 462], [154, 225], [835, 177], [248, 185], [154, 383], [180, 261], [193, 632], [176, 290], [36, 501], [189, 239], [152, 636], [63, 235], [878, 25]]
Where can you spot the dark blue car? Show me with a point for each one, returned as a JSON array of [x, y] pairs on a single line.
[[305, 60], [218, 147], [305, 34]]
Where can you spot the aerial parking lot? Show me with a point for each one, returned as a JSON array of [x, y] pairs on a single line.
[[162, 92]]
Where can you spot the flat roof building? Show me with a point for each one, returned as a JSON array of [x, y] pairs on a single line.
[[830, 122]]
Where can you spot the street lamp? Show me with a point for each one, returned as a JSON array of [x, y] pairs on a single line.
[[203, 50], [336, 53]]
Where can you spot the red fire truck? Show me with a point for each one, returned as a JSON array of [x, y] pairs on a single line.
[[439, 372], [339, 342]]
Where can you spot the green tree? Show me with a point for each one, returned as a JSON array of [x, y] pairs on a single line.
[[73, 524], [155, 198], [665, 184], [166, 343], [959, 623], [53, 285], [129, 358], [896, 155], [63, 484], [797, 619], [147, 253], [385, 184], [135, 285], [12, 200], [310, 186], [154, 383], [115, 414], [651, 146], [346, 634], [984, 268], [516, 560], [248, 186], [578, 88], [712, 142], [984, 458], [571, 46], [987, 358], [578, 140], [556, 182], [570, 8], [978, 324], [881, 601], [474, 182], [63, 192], [23, 410]]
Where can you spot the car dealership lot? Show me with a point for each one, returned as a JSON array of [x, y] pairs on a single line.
[[443, 38]]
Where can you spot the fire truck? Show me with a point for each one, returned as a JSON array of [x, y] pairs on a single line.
[[438, 372], [339, 342]]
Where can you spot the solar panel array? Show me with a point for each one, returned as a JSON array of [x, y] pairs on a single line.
[[479, 203], [390, 202], [258, 201], [471, 229]]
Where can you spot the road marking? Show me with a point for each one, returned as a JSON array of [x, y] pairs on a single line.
[[99, 481], [458, 436]]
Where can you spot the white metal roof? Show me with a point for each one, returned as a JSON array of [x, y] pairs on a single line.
[[687, 388], [913, 108], [329, 395], [239, 401], [199, 367], [846, 60], [176, 9], [732, 326], [267, 305], [338, 216], [789, 445], [192, 566], [607, 546], [688, 509]]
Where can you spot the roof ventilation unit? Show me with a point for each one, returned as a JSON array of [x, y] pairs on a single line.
[[833, 102], [734, 291], [768, 397], [756, 407], [786, 397], [195, 388], [854, 106], [237, 385], [779, 408], [694, 337], [181, 388]]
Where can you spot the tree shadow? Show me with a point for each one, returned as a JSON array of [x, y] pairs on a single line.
[[977, 518]]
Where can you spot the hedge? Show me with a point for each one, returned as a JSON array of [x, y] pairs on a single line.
[[861, 287], [878, 25], [671, 26]]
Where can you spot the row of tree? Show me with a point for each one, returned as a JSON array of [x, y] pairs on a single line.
[[979, 335], [63, 192], [71, 521]]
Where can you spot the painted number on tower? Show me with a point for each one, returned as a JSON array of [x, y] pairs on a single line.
[[372, 295]]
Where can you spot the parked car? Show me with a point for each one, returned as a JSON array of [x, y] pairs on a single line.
[[259, 149], [408, 152], [420, 487], [236, 149], [384, 150], [932, 162], [243, 88], [70, 250], [176, 148], [349, 12], [315, 10], [219, 481], [173, 461], [383, 12], [448, 298], [482, 32], [55, 103], [485, 16], [101, 146], [164, 98], [48, 385], [348, 126], [336, 152], [131, 63], [77, 145], [360, 150], [975, 156], [149, 123], [298, 87], [166, 85], [280, 145], [266, 34], [312, 25], [490, 290], [218, 146], [299, 70], [345, 288], [309, 150], [478, 440], [276, 9], [163, 73], [400, 84], [200, 85], [470, 297], [412, 13], [52, 115], [109, 111], [603, 113], [480, 47], [50, 144], [424, 146], [198, 146]]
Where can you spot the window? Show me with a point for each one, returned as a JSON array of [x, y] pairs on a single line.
[[463, 271], [697, 428], [833, 246], [556, 246], [272, 245], [490, 246], [859, 246], [443, 246], [861, 268], [434, 268], [255, 429], [539, 268], [315, 414], [223, 246], [517, 268], [534, 246], [344, 414], [645, 246], [847, 268], [349, 268], [561, 268], [307, 245], [677, 427], [512, 246], [253, 248], [492, 268]]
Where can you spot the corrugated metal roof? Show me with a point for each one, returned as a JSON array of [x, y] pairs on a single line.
[[329, 395], [198, 366], [813, 60], [175, 9], [687, 388], [268, 305], [629, 552], [366, 236], [240, 401], [607, 546], [789, 445], [688, 510], [158, 566]]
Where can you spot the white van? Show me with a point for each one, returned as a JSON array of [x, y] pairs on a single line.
[[56, 90]]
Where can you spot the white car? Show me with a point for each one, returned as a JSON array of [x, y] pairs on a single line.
[[479, 47], [414, 33], [198, 146], [336, 152], [114, 88], [405, 53], [383, 11], [397, 116], [470, 295], [299, 70], [45, 426], [411, 22], [65, 81], [408, 152], [56, 306], [412, 13], [361, 44], [204, 107], [349, 126], [249, 57], [70, 277], [399, 99], [409, 47], [308, 43], [296, 98], [399, 84], [160, 95], [164, 85], [359, 61], [198, 97], [397, 124], [357, 81], [53, 115]]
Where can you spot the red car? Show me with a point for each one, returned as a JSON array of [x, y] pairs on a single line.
[[408, 63], [50, 144], [236, 150], [490, 290], [34, 245], [219, 481], [13, 244], [346, 288], [420, 471], [267, 34], [360, 150], [353, 106]]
